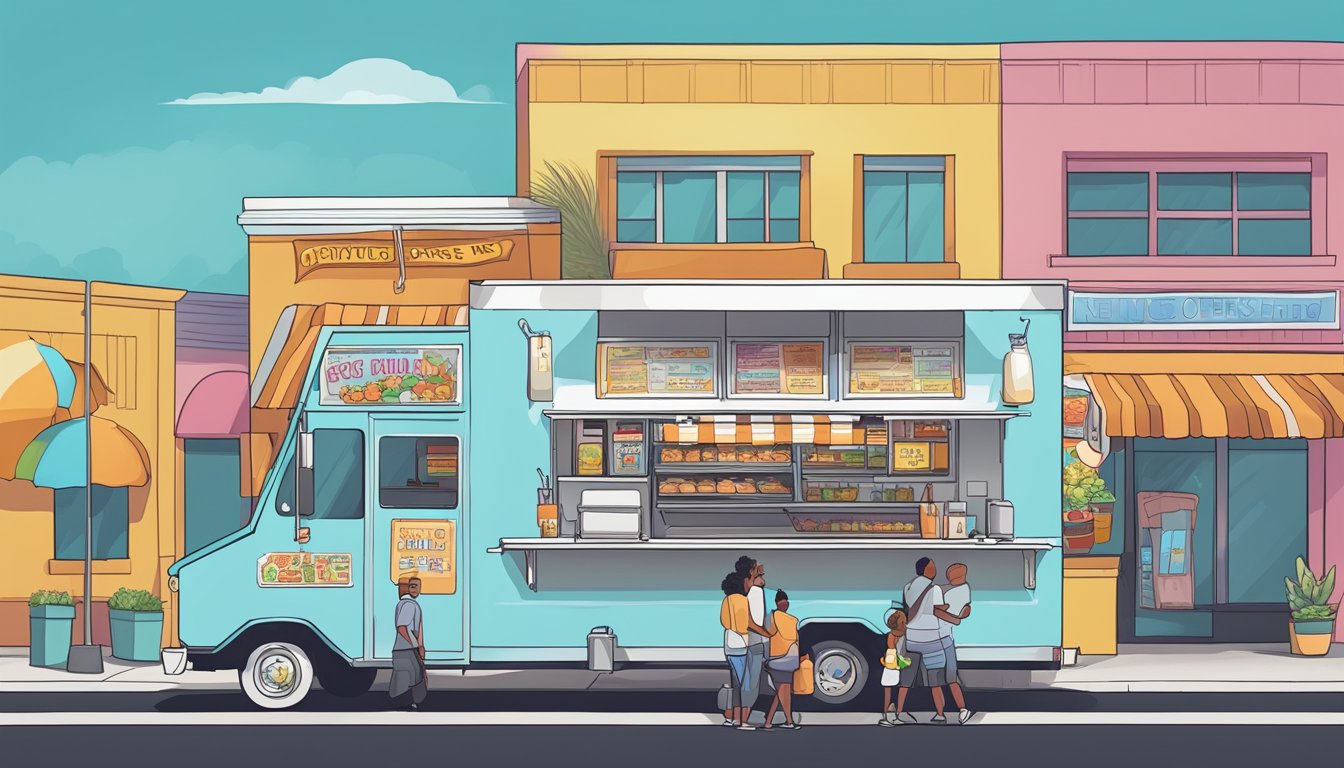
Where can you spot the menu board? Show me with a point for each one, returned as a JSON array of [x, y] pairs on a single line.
[[910, 456], [427, 550], [386, 376], [303, 569], [779, 368], [903, 369], [675, 369]]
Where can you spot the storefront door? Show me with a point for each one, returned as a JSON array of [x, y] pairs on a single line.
[[418, 502], [1250, 524], [212, 505]]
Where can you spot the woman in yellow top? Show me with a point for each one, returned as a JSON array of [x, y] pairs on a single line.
[[735, 616], [783, 662]]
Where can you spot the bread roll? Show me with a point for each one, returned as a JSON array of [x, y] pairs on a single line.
[[727, 454], [726, 486], [686, 486], [745, 486], [704, 486], [673, 455], [692, 455], [667, 486]]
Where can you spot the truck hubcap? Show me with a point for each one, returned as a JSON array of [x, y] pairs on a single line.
[[835, 672], [277, 675]]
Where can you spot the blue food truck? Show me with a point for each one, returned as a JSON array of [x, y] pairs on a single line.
[[572, 473]]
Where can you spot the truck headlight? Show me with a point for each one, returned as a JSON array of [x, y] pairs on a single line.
[[172, 583]]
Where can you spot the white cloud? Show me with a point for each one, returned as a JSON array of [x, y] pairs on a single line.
[[364, 81]]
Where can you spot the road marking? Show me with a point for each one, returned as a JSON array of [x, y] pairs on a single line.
[[648, 718]]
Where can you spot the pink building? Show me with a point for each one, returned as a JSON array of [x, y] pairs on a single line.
[[1183, 190]]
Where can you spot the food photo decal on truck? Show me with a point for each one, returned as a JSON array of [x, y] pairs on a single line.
[[391, 376], [304, 569]]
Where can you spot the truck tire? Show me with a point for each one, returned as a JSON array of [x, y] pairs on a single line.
[[842, 672], [341, 679], [277, 675]]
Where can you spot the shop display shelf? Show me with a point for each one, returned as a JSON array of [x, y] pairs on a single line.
[[710, 468], [715, 501], [732, 498]]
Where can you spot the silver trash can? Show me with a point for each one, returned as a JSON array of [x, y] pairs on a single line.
[[602, 650]]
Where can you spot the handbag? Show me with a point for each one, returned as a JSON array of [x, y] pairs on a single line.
[[802, 677]]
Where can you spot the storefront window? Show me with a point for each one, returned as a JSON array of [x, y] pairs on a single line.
[[708, 199], [1178, 466], [111, 523], [903, 209], [1266, 515]]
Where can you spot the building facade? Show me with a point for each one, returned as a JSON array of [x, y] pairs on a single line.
[[1183, 190], [777, 161], [137, 530]]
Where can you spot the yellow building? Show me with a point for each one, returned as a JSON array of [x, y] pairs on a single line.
[[133, 355], [789, 161]]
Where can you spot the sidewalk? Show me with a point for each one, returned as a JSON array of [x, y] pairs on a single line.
[[1137, 668]]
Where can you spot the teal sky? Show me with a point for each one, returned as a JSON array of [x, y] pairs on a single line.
[[99, 178]]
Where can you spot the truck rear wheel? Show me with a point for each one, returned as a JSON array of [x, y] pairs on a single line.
[[341, 679], [277, 675], [841, 672]]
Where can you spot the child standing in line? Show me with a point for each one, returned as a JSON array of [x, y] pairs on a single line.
[[892, 663]]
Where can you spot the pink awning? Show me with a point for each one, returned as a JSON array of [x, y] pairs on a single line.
[[216, 407]]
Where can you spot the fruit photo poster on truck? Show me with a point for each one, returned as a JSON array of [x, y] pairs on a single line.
[[387, 376]]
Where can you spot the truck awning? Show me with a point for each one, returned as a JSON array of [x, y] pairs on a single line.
[[280, 374]]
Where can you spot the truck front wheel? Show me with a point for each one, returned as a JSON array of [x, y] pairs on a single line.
[[341, 679], [277, 675], [841, 672]]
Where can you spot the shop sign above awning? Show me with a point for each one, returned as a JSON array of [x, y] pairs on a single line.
[[766, 430], [285, 362], [57, 458], [1306, 405]]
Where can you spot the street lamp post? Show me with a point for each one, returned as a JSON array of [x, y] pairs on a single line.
[[87, 658]]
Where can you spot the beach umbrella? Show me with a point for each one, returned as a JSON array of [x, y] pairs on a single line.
[[56, 458], [36, 384]]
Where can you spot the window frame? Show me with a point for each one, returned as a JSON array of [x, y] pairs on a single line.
[[418, 438], [612, 164], [861, 167], [1154, 166]]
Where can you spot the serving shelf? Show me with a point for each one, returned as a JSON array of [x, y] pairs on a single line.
[[712, 468], [530, 547]]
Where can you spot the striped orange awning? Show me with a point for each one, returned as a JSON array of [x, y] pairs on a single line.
[[1309, 405], [766, 430], [281, 388]]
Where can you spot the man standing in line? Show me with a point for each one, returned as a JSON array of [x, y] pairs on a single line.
[[757, 644], [408, 650], [958, 597]]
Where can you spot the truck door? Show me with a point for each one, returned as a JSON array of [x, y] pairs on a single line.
[[417, 529]]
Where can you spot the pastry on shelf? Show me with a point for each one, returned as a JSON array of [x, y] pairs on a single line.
[[686, 486], [704, 486], [692, 455], [673, 455], [726, 486], [727, 454], [667, 486], [745, 486], [708, 454], [780, 457], [747, 455], [772, 485]]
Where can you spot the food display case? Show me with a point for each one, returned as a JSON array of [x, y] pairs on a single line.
[[724, 472]]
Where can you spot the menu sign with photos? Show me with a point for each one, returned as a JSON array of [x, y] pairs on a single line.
[[669, 369], [779, 368], [895, 369], [391, 376], [427, 550]]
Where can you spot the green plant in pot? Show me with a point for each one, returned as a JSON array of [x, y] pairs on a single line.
[[51, 615], [137, 624], [1313, 615]]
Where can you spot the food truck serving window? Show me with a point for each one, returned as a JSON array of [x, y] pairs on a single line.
[[902, 368], [773, 368], [418, 472], [391, 376], [658, 369]]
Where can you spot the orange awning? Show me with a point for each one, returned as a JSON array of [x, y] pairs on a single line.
[[283, 378], [766, 430], [1275, 405]]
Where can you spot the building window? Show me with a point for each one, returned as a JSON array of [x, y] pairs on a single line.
[[903, 209], [1140, 208], [111, 523], [708, 199]]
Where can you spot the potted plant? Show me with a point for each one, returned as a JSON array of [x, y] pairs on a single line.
[[1313, 615], [1102, 504], [137, 624], [51, 616]]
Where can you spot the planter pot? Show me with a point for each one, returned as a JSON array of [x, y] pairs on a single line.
[[1101, 518], [1311, 638], [136, 635], [49, 628]]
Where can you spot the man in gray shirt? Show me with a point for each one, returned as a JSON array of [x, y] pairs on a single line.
[[408, 650]]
